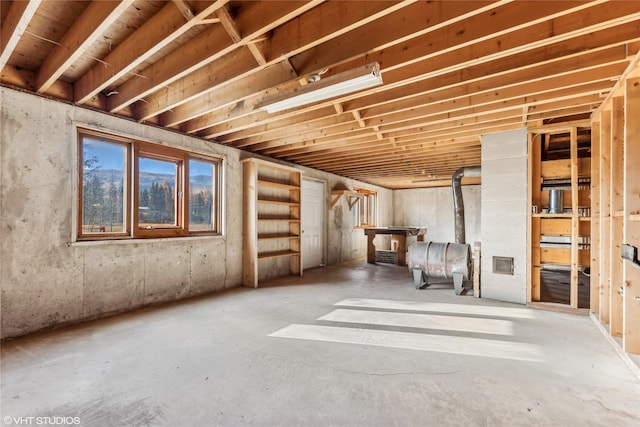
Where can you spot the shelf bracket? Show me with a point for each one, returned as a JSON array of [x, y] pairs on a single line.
[[352, 196]]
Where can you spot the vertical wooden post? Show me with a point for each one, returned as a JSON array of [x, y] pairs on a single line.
[[631, 274], [617, 204], [250, 239], [573, 137], [594, 289], [476, 269], [605, 215], [533, 246], [295, 228]]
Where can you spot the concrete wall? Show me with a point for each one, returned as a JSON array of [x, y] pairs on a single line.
[[504, 214], [47, 279], [433, 208]]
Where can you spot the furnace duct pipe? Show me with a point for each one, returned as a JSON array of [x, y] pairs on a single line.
[[458, 204]]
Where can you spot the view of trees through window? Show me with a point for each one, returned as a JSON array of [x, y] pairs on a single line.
[[160, 183], [104, 174], [201, 203], [157, 187]]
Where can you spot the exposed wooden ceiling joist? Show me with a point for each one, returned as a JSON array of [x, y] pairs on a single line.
[[452, 71]]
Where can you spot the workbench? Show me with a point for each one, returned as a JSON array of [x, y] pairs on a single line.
[[400, 233]]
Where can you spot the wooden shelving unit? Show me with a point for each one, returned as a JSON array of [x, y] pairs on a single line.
[[272, 233], [559, 160]]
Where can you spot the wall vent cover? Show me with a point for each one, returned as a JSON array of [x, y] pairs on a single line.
[[503, 265]]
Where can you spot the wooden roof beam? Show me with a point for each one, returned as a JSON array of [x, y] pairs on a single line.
[[538, 78], [453, 61], [188, 79], [453, 12], [94, 21], [154, 35], [14, 26]]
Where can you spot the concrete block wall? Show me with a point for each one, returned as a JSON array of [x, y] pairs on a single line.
[[504, 214], [433, 208], [47, 279]]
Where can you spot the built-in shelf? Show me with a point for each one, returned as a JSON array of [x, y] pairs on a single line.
[[271, 220], [560, 239]]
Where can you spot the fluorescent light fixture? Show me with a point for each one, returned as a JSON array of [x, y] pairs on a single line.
[[340, 84]]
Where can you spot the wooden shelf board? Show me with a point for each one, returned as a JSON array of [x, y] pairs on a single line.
[[274, 184], [278, 219], [584, 218], [634, 217], [549, 215], [279, 254], [277, 237], [277, 202]]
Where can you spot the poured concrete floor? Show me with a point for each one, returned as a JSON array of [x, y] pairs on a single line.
[[349, 345]]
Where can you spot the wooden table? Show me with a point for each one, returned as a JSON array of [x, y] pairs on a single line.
[[400, 232]]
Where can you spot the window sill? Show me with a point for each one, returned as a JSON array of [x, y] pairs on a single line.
[[127, 241]]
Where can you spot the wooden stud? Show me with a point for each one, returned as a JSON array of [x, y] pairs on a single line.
[[605, 216], [250, 244], [533, 246], [631, 274], [594, 280], [616, 185], [476, 268], [574, 218]]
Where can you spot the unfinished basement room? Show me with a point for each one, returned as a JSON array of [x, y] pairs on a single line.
[[320, 213]]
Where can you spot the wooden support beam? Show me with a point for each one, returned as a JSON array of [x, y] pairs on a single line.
[[14, 26], [533, 246], [94, 21], [605, 215], [574, 218], [631, 274], [185, 9], [594, 290], [616, 186], [358, 118], [190, 72], [250, 242], [155, 34]]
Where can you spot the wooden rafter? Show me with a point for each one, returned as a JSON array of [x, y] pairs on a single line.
[[96, 18], [14, 27], [202, 67]]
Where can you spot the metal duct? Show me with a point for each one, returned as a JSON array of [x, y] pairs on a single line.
[[458, 203]]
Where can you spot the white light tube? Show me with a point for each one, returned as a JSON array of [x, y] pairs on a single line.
[[340, 84]]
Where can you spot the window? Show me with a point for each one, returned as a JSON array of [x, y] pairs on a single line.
[[136, 189], [366, 208]]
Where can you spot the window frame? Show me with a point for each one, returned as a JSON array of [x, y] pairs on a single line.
[[141, 149], [126, 187], [360, 211]]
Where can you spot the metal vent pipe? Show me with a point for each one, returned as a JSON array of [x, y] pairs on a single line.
[[458, 203]]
